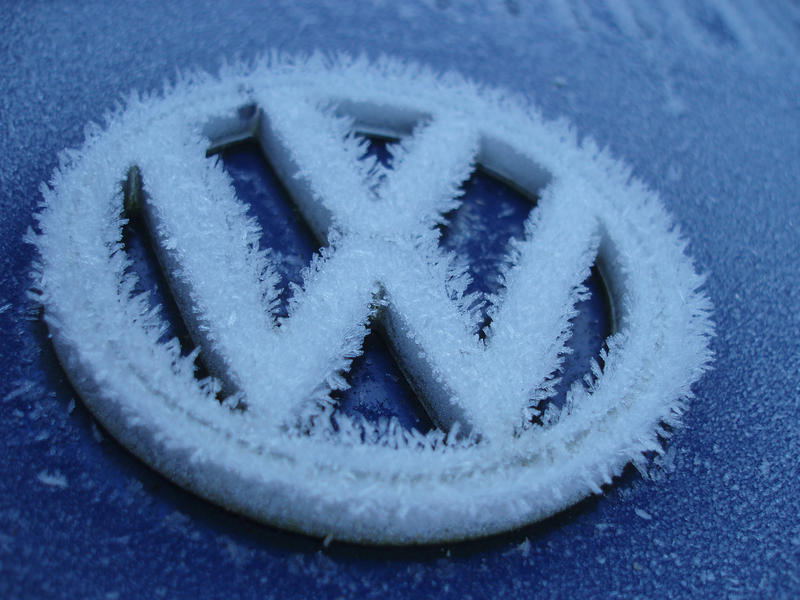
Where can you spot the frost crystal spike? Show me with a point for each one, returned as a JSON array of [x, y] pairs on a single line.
[[263, 451]]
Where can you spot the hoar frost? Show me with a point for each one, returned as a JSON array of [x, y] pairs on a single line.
[[265, 450]]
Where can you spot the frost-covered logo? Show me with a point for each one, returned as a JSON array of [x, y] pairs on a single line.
[[265, 450]]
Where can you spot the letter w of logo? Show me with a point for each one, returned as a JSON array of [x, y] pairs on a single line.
[[383, 253]]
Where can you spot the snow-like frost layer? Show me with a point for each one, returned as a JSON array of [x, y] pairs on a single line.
[[483, 470]]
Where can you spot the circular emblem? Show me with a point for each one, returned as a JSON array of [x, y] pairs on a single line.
[[256, 436]]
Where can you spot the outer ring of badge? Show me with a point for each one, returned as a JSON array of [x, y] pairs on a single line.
[[371, 493]]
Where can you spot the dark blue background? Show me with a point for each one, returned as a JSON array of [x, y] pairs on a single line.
[[702, 102]]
